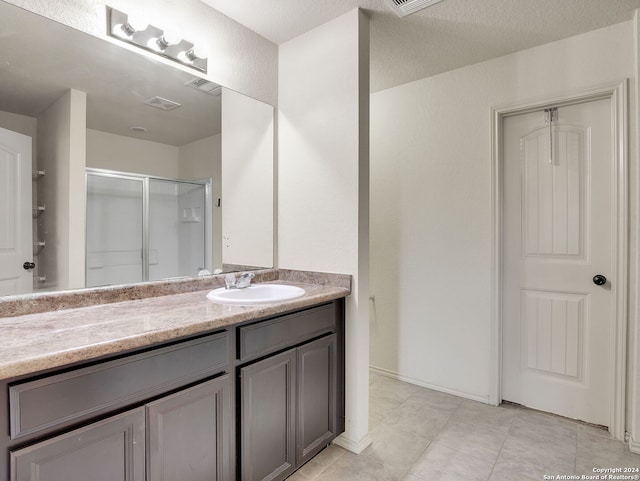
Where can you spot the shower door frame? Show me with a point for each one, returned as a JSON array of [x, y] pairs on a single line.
[[208, 207]]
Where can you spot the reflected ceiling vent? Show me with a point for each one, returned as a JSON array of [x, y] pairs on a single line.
[[162, 104], [205, 86], [407, 7]]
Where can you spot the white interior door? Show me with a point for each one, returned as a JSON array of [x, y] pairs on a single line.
[[16, 246], [558, 234]]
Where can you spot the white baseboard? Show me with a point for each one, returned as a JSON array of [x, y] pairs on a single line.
[[399, 377], [355, 447], [634, 445]]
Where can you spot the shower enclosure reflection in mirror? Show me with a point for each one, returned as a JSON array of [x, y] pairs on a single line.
[[143, 228]]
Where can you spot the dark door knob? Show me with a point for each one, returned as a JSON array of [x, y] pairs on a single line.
[[599, 280], [28, 265]]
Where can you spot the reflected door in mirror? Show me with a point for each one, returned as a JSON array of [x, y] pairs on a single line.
[[15, 213]]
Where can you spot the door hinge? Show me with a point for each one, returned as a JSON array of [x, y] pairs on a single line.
[[551, 115]]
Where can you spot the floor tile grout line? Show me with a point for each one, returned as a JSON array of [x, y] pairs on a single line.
[[495, 463], [516, 425], [326, 468]]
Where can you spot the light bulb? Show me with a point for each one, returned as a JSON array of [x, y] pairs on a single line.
[[124, 29], [161, 43], [157, 44], [166, 40], [136, 22], [172, 37]]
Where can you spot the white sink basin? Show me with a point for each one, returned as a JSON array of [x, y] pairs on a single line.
[[255, 294]]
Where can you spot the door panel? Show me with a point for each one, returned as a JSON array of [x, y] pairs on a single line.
[[189, 434], [267, 418], [316, 370], [558, 233], [554, 332], [109, 450], [16, 245], [553, 198]]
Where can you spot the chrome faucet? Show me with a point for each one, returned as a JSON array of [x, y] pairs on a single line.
[[243, 281]]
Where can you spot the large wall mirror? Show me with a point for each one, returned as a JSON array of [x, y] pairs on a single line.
[[114, 139]]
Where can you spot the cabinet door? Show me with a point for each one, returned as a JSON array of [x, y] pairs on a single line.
[[267, 418], [316, 393], [109, 450], [189, 434]]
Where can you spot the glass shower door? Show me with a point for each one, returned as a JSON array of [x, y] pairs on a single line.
[[142, 228], [177, 232], [115, 237]]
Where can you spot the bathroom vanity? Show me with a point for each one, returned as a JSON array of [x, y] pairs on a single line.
[[172, 387]]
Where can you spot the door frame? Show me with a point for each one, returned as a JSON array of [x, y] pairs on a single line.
[[617, 94]]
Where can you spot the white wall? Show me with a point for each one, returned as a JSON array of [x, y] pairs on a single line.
[[247, 181], [323, 183], [61, 152], [431, 252], [239, 58], [126, 154], [201, 160], [18, 123]]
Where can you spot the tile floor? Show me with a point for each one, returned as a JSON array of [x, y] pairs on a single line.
[[424, 435]]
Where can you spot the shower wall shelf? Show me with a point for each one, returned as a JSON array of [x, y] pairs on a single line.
[[38, 210], [190, 215]]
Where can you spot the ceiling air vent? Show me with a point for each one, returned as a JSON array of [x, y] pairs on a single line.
[[407, 7], [205, 86], [162, 104]]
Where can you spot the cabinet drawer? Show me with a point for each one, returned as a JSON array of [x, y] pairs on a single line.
[[275, 334], [71, 396]]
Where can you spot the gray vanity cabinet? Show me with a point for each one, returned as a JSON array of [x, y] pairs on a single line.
[[316, 388], [288, 410], [109, 450], [252, 402], [162, 414], [267, 411], [187, 439], [187, 432]]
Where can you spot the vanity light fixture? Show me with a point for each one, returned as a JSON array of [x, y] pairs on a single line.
[[154, 39]]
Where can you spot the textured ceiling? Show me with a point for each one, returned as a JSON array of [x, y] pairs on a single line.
[[442, 37]]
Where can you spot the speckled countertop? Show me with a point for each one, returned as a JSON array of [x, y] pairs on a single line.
[[44, 340]]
